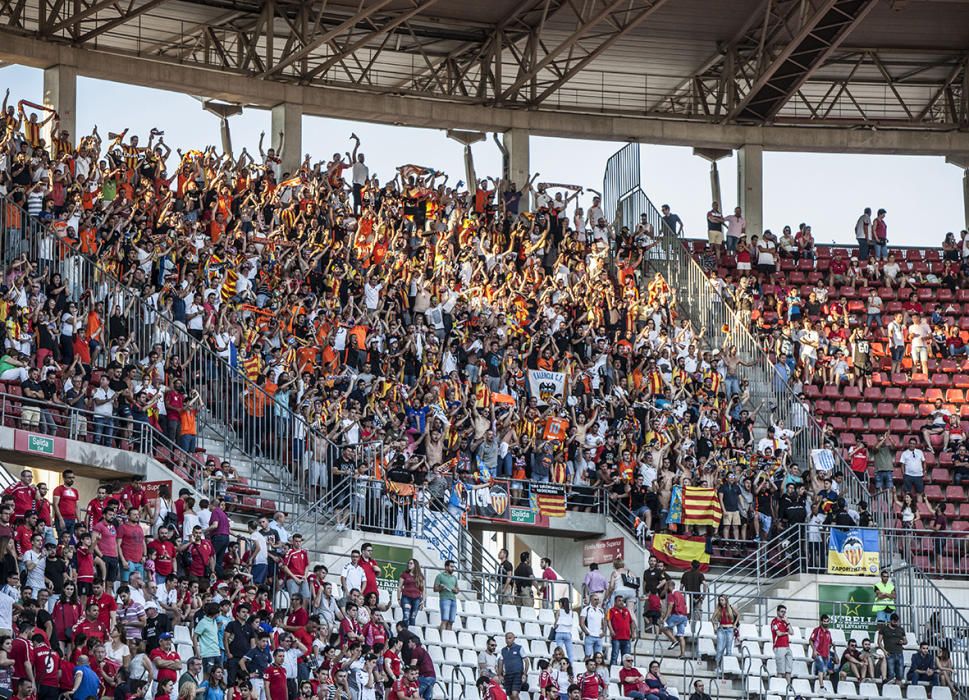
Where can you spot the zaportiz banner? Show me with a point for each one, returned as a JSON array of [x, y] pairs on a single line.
[[853, 551]]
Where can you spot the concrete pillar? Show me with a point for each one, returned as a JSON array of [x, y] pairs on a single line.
[[60, 94], [713, 155], [517, 145], [962, 161], [288, 119], [750, 187]]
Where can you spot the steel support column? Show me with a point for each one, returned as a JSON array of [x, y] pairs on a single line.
[[288, 120], [60, 94], [750, 186]]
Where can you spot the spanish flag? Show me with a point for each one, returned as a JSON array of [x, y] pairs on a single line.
[[701, 506], [679, 551]]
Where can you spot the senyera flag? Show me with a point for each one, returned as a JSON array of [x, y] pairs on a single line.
[[701, 506], [549, 499], [679, 551]]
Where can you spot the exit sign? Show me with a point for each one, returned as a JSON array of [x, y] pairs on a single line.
[[40, 444]]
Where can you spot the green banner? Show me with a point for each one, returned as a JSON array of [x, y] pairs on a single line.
[[392, 561], [849, 608]]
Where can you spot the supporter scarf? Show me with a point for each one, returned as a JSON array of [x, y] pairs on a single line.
[[24, 103]]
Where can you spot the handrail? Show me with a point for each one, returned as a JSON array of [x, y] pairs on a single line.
[[150, 327], [455, 671]]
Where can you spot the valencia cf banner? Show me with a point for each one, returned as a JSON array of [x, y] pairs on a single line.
[[491, 501], [853, 551], [546, 386]]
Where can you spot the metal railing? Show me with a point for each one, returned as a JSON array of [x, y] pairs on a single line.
[[272, 443]]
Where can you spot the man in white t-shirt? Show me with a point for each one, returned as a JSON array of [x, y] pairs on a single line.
[[353, 576], [810, 340], [913, 468], [920, 333], [736, 228], [896, 341], [863, 233], [592, 621]]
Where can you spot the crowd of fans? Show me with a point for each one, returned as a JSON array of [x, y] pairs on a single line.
[[831, 319], [398, 317]]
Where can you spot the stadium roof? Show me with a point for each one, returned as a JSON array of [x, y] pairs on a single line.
[[840, 63]]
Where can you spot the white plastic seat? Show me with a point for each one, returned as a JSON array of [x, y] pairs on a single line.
[[941, 693], [706, 630], [493, 626], [533, 631], [868, 690], [749, 632], [452, 655], [465, 640], [706, 647], [528, 614], [799, 669], [432, 603], [540, 648], [513, 626], [800, 653], [434, 618], [778, 685], [491, 610], [916, 692], [801, 686], [421, 618], [546, 616], [731, 665], [185, 651], [890, 690], [771, 667], [449, 638], [827, 690], [847, 689], [755, 686], [474, 624], [510, 612], [469, 658], [432, 635], [182, 635], [672, 691], [911, 640], [436, 654], [472, 607], [614, 691], [838, 637], [526, 647]]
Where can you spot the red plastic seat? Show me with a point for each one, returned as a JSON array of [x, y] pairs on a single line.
[[933, 492], [856, 425], [962, 295], [938, 378], [836, 422], [949, 366], [894, 393], [955, 494], [851, 393], [865, 409], [941, 477], [877, 425], [913, 393], [830, 391], [848, 439], [869, 440], [955, 396], [811, 391], [960, 381], [906, 410], [900, 380], [922, 380], [944, 294], [873, 394], [843, 408], [823, 407], [931, 395], [899, 426], [885, 410]]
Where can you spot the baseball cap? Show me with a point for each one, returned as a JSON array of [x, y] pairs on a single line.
[[151, 605], [165, 635]]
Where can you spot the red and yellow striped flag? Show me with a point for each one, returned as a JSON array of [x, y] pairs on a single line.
[[701, 506]]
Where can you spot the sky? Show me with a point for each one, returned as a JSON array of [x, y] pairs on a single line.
[[923, 195]]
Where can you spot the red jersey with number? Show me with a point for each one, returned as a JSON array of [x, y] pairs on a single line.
[[47, 666]]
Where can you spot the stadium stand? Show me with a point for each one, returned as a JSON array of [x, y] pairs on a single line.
[[365, 346]]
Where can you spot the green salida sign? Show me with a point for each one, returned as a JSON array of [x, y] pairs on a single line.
[[39, 443]]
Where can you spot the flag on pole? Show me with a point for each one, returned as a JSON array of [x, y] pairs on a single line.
[[701, 506], [679, 551]]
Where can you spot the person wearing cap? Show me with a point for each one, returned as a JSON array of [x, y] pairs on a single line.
[[166, 660], [157, 623]]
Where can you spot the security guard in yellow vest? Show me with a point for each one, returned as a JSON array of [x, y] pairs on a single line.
[[884, 604]]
